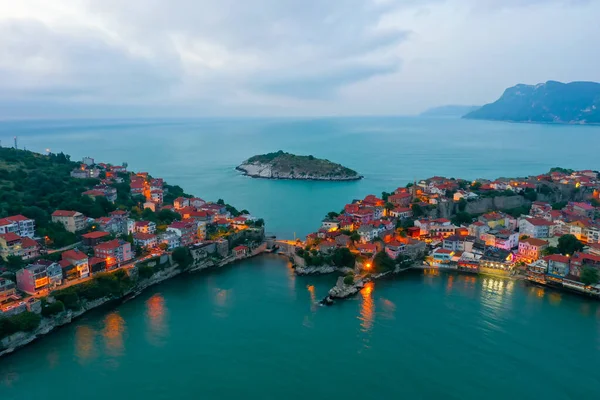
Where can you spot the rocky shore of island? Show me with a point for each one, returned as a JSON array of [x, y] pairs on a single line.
[[266, 171]]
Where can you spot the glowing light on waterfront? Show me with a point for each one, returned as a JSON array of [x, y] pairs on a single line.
[[368, 266]]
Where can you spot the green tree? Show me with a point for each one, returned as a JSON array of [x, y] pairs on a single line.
[[589, 275], [354, 236], [417, 210], [385, 196], [530, 194], [389, 206], [550, 250], [50, 309], [182, 256], [568, 244], [559, 205], [343, 257], [462, 218], [382, 262], [349, 279], [476, 185], [332, 215], [462, 205]]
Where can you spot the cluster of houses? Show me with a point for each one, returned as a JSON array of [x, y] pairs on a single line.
[[371, 222], [496, 243], [493, 243], [103, 245]]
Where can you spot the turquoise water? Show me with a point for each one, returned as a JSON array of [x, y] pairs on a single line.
[[253, 331]]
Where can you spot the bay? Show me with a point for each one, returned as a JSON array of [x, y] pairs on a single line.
[[252, 330]]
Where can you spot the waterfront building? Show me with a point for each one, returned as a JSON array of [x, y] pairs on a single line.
[[114, 252], [75, 264], [39, 276], [531, 249]]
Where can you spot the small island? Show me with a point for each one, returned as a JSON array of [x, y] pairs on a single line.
[[282, 165]]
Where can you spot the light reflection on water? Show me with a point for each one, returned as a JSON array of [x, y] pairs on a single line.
[[367, 308], [156, 319], [85, 343], [114, 328]]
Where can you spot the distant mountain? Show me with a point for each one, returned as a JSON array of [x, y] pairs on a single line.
[[550, 102], [449, 111]]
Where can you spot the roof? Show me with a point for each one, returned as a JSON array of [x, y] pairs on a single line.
[[118, 212], [371, 247], [110, 245], [395, 243], [442, 251], [584, 206], [557, 258], [180, 225], [95, 260], [17, 218], [64, 213], [143, 223], [535, 242], [28, 242], [143, 236], [538, 221], [74, 255], [95, 235], [10, 237], [237, 248]]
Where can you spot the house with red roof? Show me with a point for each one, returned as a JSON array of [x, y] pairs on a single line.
[[558, 266], [93, 238], [531, 249], [241, 251], [400, 199], [401, 212], [145, 240], [12, 244], [366, 248], [181, 202], [394, 248], [114, 252], [73, 221], [441, 256], [75, 264], [536, 227], [186, 231], [373, 201], [18, 224]]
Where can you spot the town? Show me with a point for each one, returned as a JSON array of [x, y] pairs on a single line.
[[86, 233], [135, 227], [547, 231]]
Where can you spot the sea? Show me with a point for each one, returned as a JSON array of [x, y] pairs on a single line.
[[254, 329]]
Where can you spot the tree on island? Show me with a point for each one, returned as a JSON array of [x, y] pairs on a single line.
[[343, 257], [568, 244], [589, 275]]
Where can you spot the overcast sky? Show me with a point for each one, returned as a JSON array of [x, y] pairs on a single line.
[[117, 58]]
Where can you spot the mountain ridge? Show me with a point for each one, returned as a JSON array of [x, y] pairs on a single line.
[[550, 102]]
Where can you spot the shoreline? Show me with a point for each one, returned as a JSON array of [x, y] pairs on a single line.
[[54, 323]]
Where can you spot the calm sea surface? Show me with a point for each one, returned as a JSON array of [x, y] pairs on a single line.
[[252, 330]]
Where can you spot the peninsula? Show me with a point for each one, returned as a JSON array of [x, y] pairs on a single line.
[[550, 102], [282, 165]]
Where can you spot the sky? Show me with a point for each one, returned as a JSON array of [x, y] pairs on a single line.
[[204, 58]]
